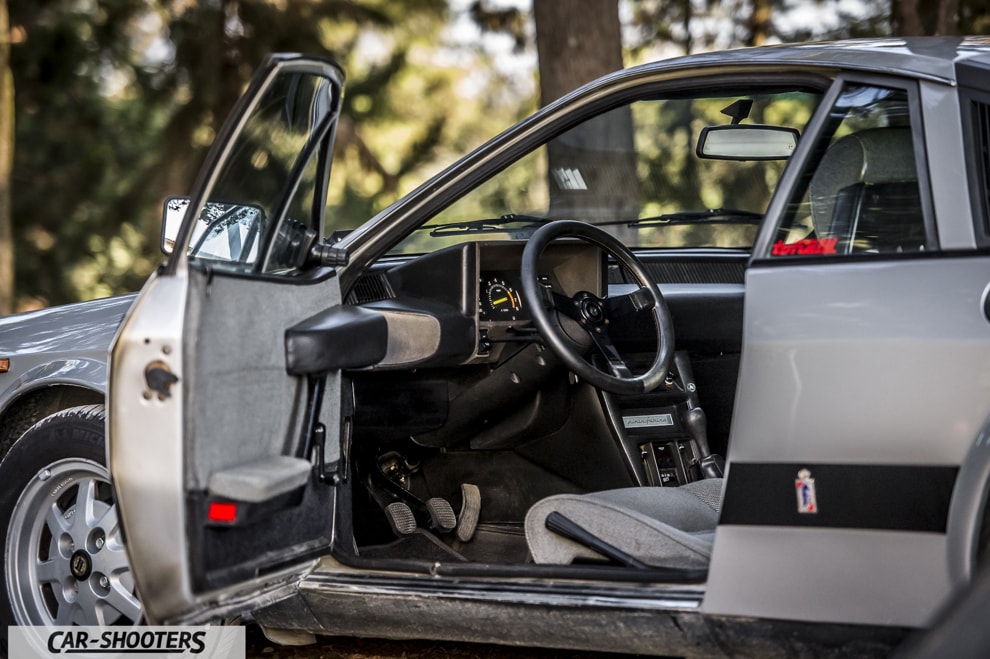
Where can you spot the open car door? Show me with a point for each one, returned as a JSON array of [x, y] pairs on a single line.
[[843, 467], [223, 448]]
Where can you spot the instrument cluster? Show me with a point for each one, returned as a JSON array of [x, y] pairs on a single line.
[[499, 298]]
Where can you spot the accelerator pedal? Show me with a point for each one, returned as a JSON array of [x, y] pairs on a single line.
[[442, 517], [400, 517], [467, 521]]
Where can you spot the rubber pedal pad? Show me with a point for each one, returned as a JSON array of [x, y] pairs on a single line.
[[442, 515], [467, 521], [400, 517]]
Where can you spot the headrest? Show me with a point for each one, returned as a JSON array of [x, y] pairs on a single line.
[[872, 156]]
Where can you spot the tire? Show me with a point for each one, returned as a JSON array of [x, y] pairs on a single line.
[[59, 567]]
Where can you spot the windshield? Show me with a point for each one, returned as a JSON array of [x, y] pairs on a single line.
[[636, 170]]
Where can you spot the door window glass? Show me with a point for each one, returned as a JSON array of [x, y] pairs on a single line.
[[862, 194], [263, 197]]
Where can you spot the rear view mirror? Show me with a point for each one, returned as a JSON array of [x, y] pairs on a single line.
[[747, 142], [224, 232]]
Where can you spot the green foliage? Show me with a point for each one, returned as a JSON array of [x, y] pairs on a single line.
[[80, 148], [118, 101], [706, 24]]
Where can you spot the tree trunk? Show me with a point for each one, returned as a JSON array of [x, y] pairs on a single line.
[[759, 23], [576, 41], [911, 18], [594, 173], [948, 18], [6, 165], [906, 18]]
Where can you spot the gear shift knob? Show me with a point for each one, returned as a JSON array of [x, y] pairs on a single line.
[[712, 466], [697, 425]]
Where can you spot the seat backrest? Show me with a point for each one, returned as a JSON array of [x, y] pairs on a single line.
[[865, 193]]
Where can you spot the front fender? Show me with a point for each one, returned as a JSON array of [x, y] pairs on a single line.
[[84, 372]]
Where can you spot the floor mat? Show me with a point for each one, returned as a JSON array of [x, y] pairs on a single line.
[[495, 543], [419, 545]]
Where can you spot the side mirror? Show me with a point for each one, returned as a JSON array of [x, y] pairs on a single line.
[[747, 142], [172, 216], [224, 232]]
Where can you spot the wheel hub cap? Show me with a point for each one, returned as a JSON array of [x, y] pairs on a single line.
[[81, 565]]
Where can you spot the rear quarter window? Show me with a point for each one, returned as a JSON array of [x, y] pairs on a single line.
[[861, 195]]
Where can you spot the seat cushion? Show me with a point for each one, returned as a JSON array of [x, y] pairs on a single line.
[[661, 526]]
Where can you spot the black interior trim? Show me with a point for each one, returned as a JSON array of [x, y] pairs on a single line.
[[340, 337]]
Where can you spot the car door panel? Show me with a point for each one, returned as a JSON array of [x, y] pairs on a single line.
[[241, 390], [247, 392], [886, 343], [219, 438], [871, 376], [148, 475], [827, 575]]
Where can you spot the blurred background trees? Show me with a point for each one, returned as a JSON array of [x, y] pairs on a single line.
[[108, 106]]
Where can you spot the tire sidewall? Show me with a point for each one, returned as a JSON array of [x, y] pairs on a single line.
[[73, 433]]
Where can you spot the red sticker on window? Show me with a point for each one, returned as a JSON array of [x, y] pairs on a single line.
[[805, 247]]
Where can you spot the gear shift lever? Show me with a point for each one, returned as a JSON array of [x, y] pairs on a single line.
[[712, 466]]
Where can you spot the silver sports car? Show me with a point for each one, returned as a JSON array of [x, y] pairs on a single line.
[[694, 361]]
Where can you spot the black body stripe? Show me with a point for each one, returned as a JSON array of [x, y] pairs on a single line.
[[892, 497]]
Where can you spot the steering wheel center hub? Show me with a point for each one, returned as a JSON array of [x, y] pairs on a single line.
[[592, 310]]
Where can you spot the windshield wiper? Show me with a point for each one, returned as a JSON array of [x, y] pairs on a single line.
[[708, 216], [532, 222], [498, 224]]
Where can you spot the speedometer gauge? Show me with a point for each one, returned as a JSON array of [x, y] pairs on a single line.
[[502, 298], [500, 301]]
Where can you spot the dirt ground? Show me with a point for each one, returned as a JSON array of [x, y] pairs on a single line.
[[258, 647]]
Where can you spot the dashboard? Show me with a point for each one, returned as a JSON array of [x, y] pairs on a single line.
[[462, 304], [460, 309]]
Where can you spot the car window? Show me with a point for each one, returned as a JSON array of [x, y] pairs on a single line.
[[862, 195], [274, 150], [636, 171]]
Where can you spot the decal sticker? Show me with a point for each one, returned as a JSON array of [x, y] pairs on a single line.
[[569, 178], [808, 246], [804, 485]]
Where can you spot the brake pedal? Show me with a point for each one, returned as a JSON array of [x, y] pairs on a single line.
[[467, 521], [400, 517], [442, 516]]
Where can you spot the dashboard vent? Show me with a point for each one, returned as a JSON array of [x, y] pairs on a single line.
[[688, 272], [371, 288]]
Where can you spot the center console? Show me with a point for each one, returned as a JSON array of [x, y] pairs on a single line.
[[663, 433]]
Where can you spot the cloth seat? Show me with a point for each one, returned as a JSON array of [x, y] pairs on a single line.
[[661, 526], [865, 193]]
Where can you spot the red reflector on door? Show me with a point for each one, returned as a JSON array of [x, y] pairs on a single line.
[[222, 512]]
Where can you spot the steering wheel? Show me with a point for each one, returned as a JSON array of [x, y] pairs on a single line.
[[595, 315]]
